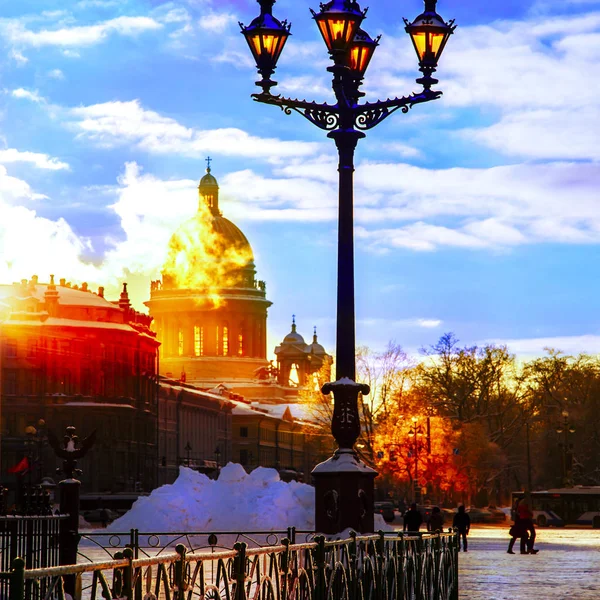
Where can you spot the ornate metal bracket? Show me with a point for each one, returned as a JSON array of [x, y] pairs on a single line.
[[324, 116], [71, 450], [327, 116], [370, 114]]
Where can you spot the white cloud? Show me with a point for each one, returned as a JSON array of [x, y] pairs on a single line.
[[379, 323], [56, 74], [32, 95], [18, 57], [76, 36], [216, 22], [113, 124], [536, 346], [41, 161]]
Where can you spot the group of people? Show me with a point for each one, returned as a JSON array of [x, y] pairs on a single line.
[[523, 529], [413, 520]]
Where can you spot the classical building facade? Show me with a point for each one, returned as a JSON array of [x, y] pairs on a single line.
[[69, 356], [194, 429]]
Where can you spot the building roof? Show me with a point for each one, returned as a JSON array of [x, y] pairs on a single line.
[[67, 296]]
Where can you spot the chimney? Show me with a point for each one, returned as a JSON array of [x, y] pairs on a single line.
[[101, 291], [124, 299], [51, 298], [84, 286], [63, 282]]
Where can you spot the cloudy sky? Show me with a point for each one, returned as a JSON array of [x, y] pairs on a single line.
[[478, 213]]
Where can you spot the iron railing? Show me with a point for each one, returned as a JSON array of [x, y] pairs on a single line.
[[34, 539], [373, 567]]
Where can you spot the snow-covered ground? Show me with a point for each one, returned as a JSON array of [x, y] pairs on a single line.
[[566, 567]]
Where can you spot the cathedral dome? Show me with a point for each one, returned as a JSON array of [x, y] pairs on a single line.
[[231, 234], [208, 179], [208, 251]]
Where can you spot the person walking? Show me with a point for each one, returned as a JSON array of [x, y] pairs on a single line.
[[436, 522], [412, 519], [462, 522], [518, 530], [526, 518]]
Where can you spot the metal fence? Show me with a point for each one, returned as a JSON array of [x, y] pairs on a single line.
[[374, 567], [33, 538]]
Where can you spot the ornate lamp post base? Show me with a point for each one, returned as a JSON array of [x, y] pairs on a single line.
[[344, 485], [344, 494]]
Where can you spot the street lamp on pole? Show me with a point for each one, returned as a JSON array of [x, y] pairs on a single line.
[[188, 450], [351, 49], [565, 428], [416, 430]]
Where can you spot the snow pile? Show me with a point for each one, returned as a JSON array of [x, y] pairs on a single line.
[[237, 501]]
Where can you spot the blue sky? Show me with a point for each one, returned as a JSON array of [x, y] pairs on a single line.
[[477, 213]]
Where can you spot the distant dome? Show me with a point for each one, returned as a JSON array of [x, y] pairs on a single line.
[[315, 348], [293, 337]]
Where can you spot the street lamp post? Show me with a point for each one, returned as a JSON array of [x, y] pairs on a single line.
[[416, 430], [188, 450], [344, 476], [566, 428]]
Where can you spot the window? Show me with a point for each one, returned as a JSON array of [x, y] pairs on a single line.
[[10, 382], [86, 382], [198, 340], [240, 345], [32, 346], [244, 432], [225, 340], [11, 349], [180, 342], [243, 457], [218, 340]]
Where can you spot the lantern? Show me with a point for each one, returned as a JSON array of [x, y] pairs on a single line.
[[429, 34], [266, 37], [360, 52], [338, 23]]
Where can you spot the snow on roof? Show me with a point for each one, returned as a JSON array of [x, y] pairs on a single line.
[[97, 404], [66, 295], [60, 322]]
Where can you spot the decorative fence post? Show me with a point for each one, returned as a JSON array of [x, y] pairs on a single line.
[[17, 580], [180, 573], [321, 582], [68, 540], [239, 571]]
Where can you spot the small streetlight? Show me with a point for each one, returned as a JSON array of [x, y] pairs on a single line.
[[217, 455], [416, 430], [188, 450], [566, 428]]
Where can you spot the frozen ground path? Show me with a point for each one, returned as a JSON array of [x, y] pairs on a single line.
[[566, 567]]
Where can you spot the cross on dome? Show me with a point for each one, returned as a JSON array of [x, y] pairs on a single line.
[[208, 161]]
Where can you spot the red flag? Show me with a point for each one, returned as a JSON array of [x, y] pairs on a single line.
[[20, 467]]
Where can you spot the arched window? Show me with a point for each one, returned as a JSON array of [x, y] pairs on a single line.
[[218, 346], [225, 339], [198, 340], [294, 378], [240, 344]]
